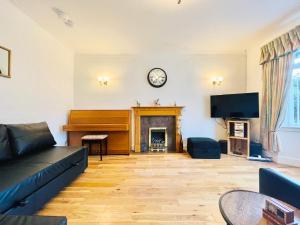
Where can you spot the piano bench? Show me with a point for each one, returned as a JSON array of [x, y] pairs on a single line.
[[95, 139]]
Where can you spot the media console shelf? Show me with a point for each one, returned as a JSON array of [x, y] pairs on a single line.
[[238, 137]]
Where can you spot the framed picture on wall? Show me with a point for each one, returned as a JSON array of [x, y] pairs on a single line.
[[5, 61]]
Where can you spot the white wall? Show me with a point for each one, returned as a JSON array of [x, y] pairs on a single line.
[[189, 84], [289, 138], [41, 87]]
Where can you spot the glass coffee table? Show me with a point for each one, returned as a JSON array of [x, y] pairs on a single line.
[[245, 208]]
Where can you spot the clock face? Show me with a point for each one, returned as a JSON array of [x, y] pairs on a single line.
[[157, 77]]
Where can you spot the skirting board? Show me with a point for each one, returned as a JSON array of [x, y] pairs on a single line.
[[287, 161]]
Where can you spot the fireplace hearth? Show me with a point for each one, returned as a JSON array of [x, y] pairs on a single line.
[[158, 139]]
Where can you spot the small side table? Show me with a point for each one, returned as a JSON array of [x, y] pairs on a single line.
[[95, 139]]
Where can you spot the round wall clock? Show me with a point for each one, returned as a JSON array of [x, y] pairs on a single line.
[[157, 77]]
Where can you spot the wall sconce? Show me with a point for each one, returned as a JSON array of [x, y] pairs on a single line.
[[217, 81], [103, 81]]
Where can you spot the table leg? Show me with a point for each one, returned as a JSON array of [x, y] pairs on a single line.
[[106, 146], [101, 150]]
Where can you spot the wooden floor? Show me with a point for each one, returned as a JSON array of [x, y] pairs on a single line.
[[155, 189]]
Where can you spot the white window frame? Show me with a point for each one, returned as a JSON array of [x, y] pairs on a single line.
[[289, 121]]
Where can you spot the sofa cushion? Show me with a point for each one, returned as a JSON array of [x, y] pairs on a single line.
[[23, 176], [29, 138], [5, 151]]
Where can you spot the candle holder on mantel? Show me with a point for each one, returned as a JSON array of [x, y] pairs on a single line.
[[156, 102], [138, 104]]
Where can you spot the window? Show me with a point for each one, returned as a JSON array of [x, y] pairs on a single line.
[[293, 111]]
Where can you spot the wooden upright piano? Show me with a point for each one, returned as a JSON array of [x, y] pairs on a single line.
[[115, 123]]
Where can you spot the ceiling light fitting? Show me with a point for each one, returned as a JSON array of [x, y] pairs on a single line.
[[63, 16]]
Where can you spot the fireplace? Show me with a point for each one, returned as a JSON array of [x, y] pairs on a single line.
[[158, 133], [158, 139], [146, 117]]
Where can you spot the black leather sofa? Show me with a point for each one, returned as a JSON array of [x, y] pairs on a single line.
[[32, 220], [279, 186], [33, 170]]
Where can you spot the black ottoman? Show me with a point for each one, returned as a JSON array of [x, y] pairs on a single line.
[[203, 148]]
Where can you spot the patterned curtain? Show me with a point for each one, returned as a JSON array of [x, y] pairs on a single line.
[[276, 61]]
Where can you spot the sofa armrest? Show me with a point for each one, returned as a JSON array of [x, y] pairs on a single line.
[[277, 185]]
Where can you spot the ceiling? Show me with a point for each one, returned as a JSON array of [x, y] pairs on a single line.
[[135, 26]]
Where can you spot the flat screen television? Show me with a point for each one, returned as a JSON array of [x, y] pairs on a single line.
[[245, 105]]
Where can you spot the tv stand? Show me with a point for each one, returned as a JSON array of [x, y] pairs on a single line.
[[238, 137]]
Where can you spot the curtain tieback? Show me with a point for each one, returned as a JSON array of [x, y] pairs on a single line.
[[273, 131]]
